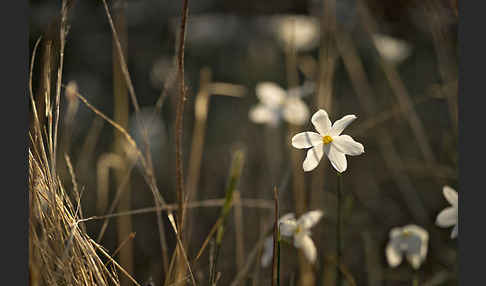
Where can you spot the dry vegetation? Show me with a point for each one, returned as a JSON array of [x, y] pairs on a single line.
[[208, 225]]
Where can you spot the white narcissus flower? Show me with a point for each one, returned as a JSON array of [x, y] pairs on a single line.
[[329, 141], [299, 230], [448, 216], [276, 103], [411, 241]]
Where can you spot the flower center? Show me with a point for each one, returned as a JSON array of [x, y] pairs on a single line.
[[298, 229], [406, 233], [326, 139]]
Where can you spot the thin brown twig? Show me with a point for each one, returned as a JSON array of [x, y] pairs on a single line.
[[125, 241], [180, 114], [114, 262], [179, 126]]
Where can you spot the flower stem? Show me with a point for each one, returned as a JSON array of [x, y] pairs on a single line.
[[276, 244], [338, 232], [415, 278]]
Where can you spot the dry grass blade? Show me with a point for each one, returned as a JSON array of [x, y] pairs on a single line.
[[181, 247], [123, 63], [113, 123], [249, 203], [62, 36]]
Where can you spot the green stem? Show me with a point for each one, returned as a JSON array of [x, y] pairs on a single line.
[[278, 260], [338, 232], [415, 279]]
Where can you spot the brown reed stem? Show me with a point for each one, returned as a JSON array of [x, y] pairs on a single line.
[[179, 126], [179, 115]]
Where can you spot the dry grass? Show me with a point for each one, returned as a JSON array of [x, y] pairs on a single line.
[[61, 252]]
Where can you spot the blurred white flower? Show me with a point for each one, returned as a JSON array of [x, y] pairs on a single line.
[[448, 216], [276, 103], [267, 254], [392, 49], [329, 141], [268, 245], [299, 230], [300, 31], [411, 241]]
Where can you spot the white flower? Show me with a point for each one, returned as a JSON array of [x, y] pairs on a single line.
[[299, 230], [448, 216], [329, 141], [302, 32], [392, 49], [276, 103], [411, 241]]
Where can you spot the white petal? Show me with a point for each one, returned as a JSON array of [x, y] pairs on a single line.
[[455, 231], [263, 114], [395, 232], [314, 156], [287, 216], [417, 230], [304, 242], [309, 219], [447, 217], [451, 195], [306, 140], [287, 227], [336, 157], [347, 145], [321, 122], [415, 260], [391, 49], [295, 111], [341, 124], [267, 254], [270, 94], [393, 255]]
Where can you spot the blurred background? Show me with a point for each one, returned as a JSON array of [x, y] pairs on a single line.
[[392, 63]]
